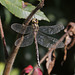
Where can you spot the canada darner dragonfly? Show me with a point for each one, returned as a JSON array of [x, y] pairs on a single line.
[[39, 34], [42, 38]]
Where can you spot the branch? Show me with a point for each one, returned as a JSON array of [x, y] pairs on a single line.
[[39, 6], [12, 57], [3, 41]]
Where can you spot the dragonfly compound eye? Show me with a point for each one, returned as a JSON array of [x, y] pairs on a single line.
[[34, 20]]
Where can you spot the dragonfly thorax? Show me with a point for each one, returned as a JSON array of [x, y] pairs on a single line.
[[35, 25]]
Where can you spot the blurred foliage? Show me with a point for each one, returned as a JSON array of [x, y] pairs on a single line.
[[1, 68], [8, 16], [14, 71], [57, 11]]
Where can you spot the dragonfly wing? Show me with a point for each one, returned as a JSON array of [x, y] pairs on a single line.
[[51, 29], [48, 41], [28, 40], [20, 28]]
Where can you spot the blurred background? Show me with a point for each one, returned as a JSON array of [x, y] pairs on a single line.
[[57, 11]]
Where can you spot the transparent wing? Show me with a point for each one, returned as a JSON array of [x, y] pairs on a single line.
[[51, 29], [20, 28], [28, 40], [48, 41]]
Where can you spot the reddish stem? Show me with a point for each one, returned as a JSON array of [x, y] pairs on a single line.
[[3, 41]]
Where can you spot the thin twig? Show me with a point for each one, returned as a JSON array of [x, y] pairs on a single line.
[[54, 46], [3, 41], [12, 57]]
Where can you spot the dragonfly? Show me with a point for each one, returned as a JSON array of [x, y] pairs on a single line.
[[39, 34]]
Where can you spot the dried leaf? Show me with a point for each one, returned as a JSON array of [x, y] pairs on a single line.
[[72, 24], [70, 38], [67, 40], [65, 54], [50, 62], [72, 43]]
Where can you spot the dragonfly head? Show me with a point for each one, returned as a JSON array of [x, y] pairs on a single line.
[[34, 21]]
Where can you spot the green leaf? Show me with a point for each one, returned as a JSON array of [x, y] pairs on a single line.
[[21, 9]]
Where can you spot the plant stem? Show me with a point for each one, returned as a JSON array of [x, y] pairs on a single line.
[[3, 41]]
